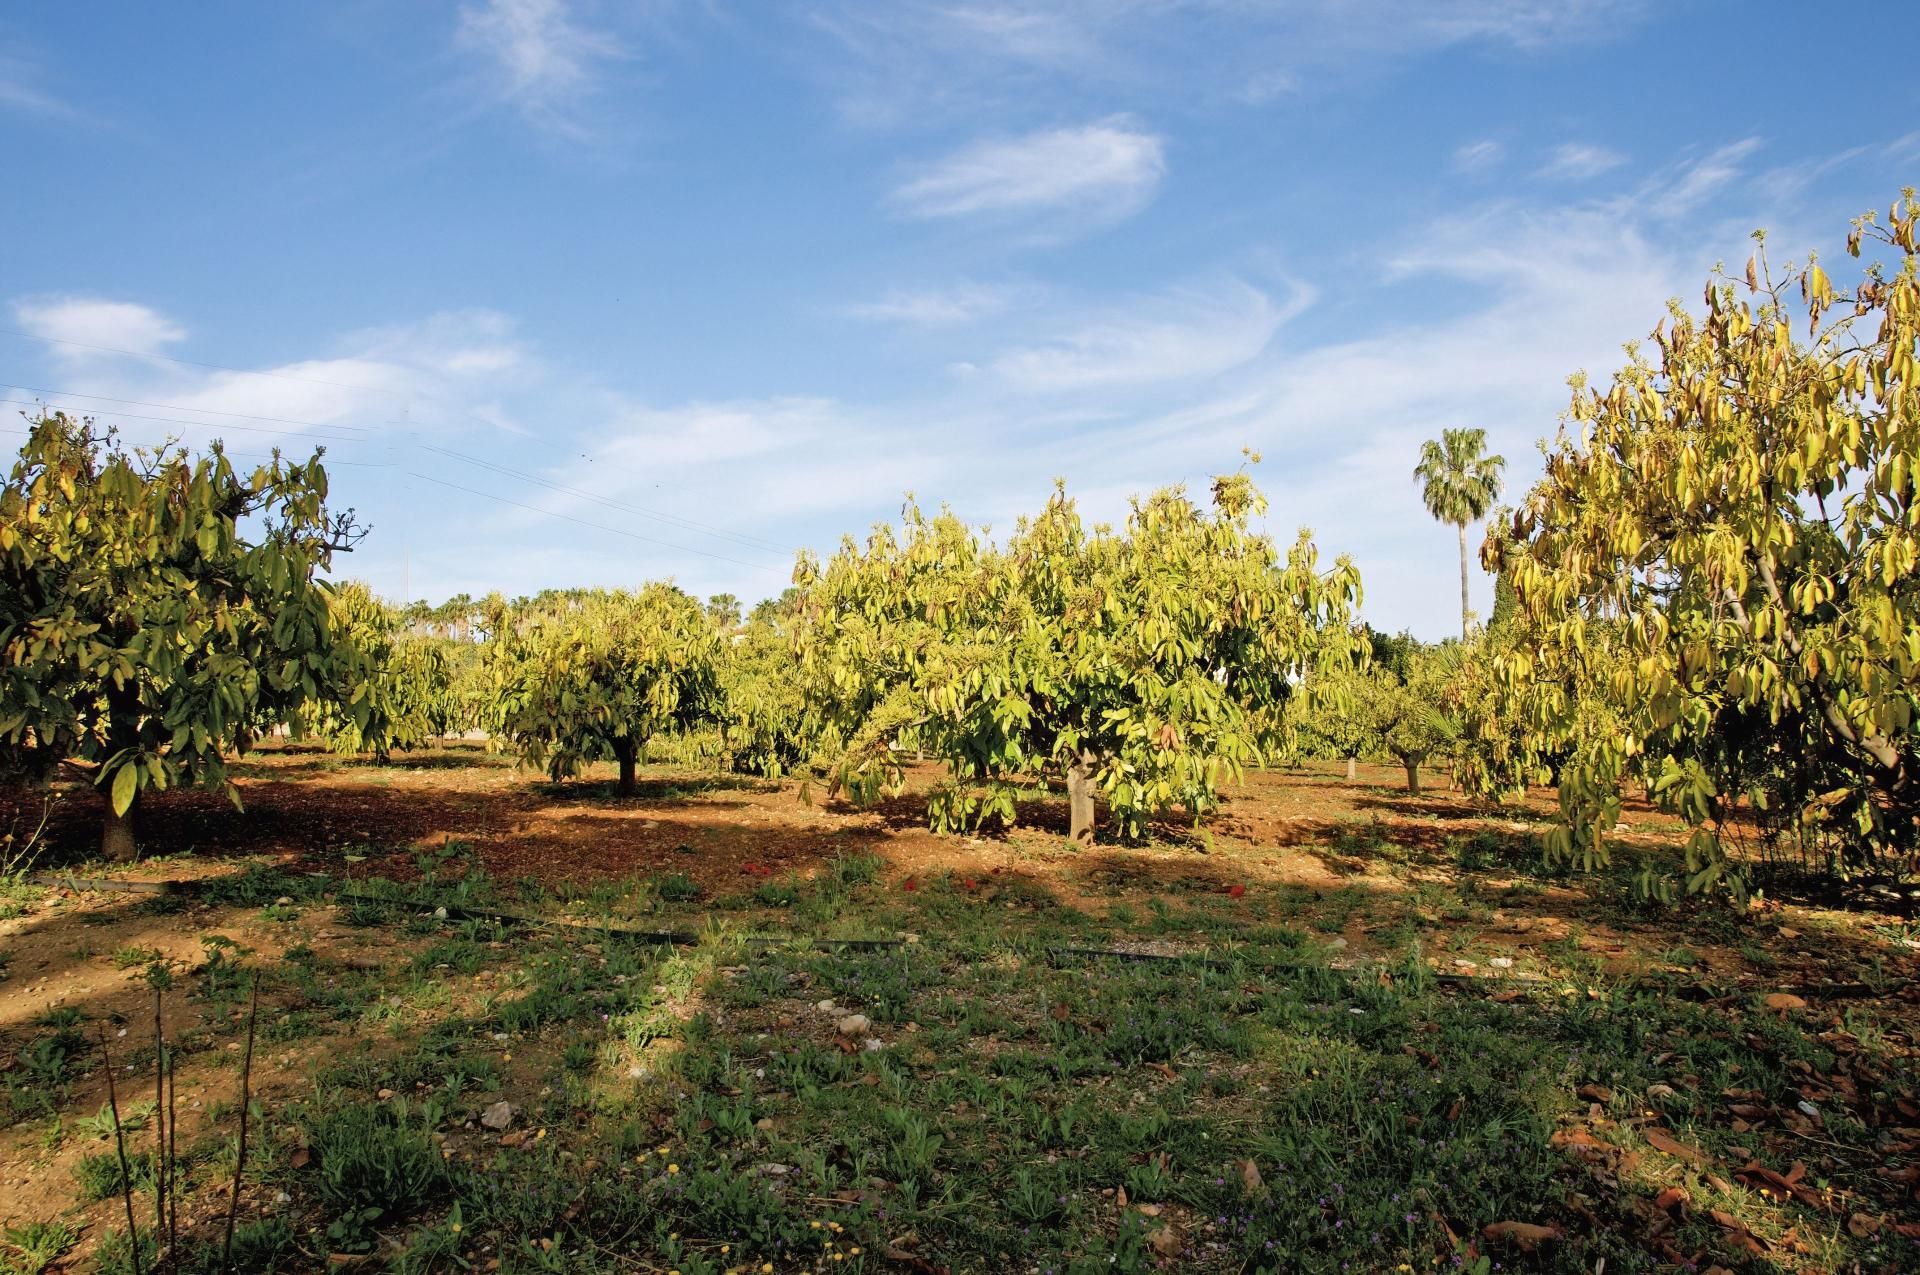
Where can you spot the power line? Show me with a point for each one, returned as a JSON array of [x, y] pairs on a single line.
[[750, 542], [330, 461], [507, 471], [598, 526], [178, 407], [688, 524], [217, 367], [174, 420]]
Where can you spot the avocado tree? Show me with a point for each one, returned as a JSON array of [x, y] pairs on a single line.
[[1126, 663], [592, 674], [398, 695], [155, 605], [1715, 578], [763, 723], [1415, 717]]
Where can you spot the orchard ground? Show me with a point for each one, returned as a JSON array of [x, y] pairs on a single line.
[[1336, 1028]]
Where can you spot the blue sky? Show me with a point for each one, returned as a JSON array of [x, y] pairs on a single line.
[[596, 293]]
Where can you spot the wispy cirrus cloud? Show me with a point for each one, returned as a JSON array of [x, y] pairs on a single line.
[[1580, 161], [539, 59], [22, 88], [446, 372], [1182, 335], [1695, 181], [1478, 157], [1108, 169], [84, 329], [935, 307], [896, 62]]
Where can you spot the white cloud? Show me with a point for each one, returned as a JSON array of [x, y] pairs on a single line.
[[1262, 87], [540, 59], [934, 307], [1478, 157], [795, 456], [896, 62], [87, 328], [20, 90], [1109, 168], [1693, 183], [444, 373], [1578, 161], [1786, 183], [1175, 337]]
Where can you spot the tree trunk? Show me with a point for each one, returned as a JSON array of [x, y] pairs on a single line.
[[1080, 799], [1350, 769], [117, 842], [1463, 581], [1413, 776], [623, 749]]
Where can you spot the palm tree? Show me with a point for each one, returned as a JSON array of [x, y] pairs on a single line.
[[1461, 485]]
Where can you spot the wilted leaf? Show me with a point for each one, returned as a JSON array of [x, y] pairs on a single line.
[[1661, 1140], [1525, 1234], [1737, 1232], [1783, 1002]]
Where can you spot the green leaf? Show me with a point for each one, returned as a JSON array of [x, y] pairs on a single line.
[[126, 783]]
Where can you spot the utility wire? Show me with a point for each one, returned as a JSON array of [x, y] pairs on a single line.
[[180, 407], [598, 526], [685, 523], [217, 367], [689, 524], [175, 420]]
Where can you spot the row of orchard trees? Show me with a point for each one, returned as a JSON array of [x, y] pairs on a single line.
[[1145, 664], [1712, 592], [161, 610]]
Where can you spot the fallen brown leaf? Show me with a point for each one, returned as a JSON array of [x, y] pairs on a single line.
[[1525, 1234], [1250, 1176], [1661, 1140], [1737, 1232], [1672, 1197]]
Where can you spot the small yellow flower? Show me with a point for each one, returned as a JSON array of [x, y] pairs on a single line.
[[855, 1250], [454, 1227], [766, 1268], [661, 1150], [673, 1168], [814, 1225], [509, 1055], [539, 1135], [725, 1249]]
